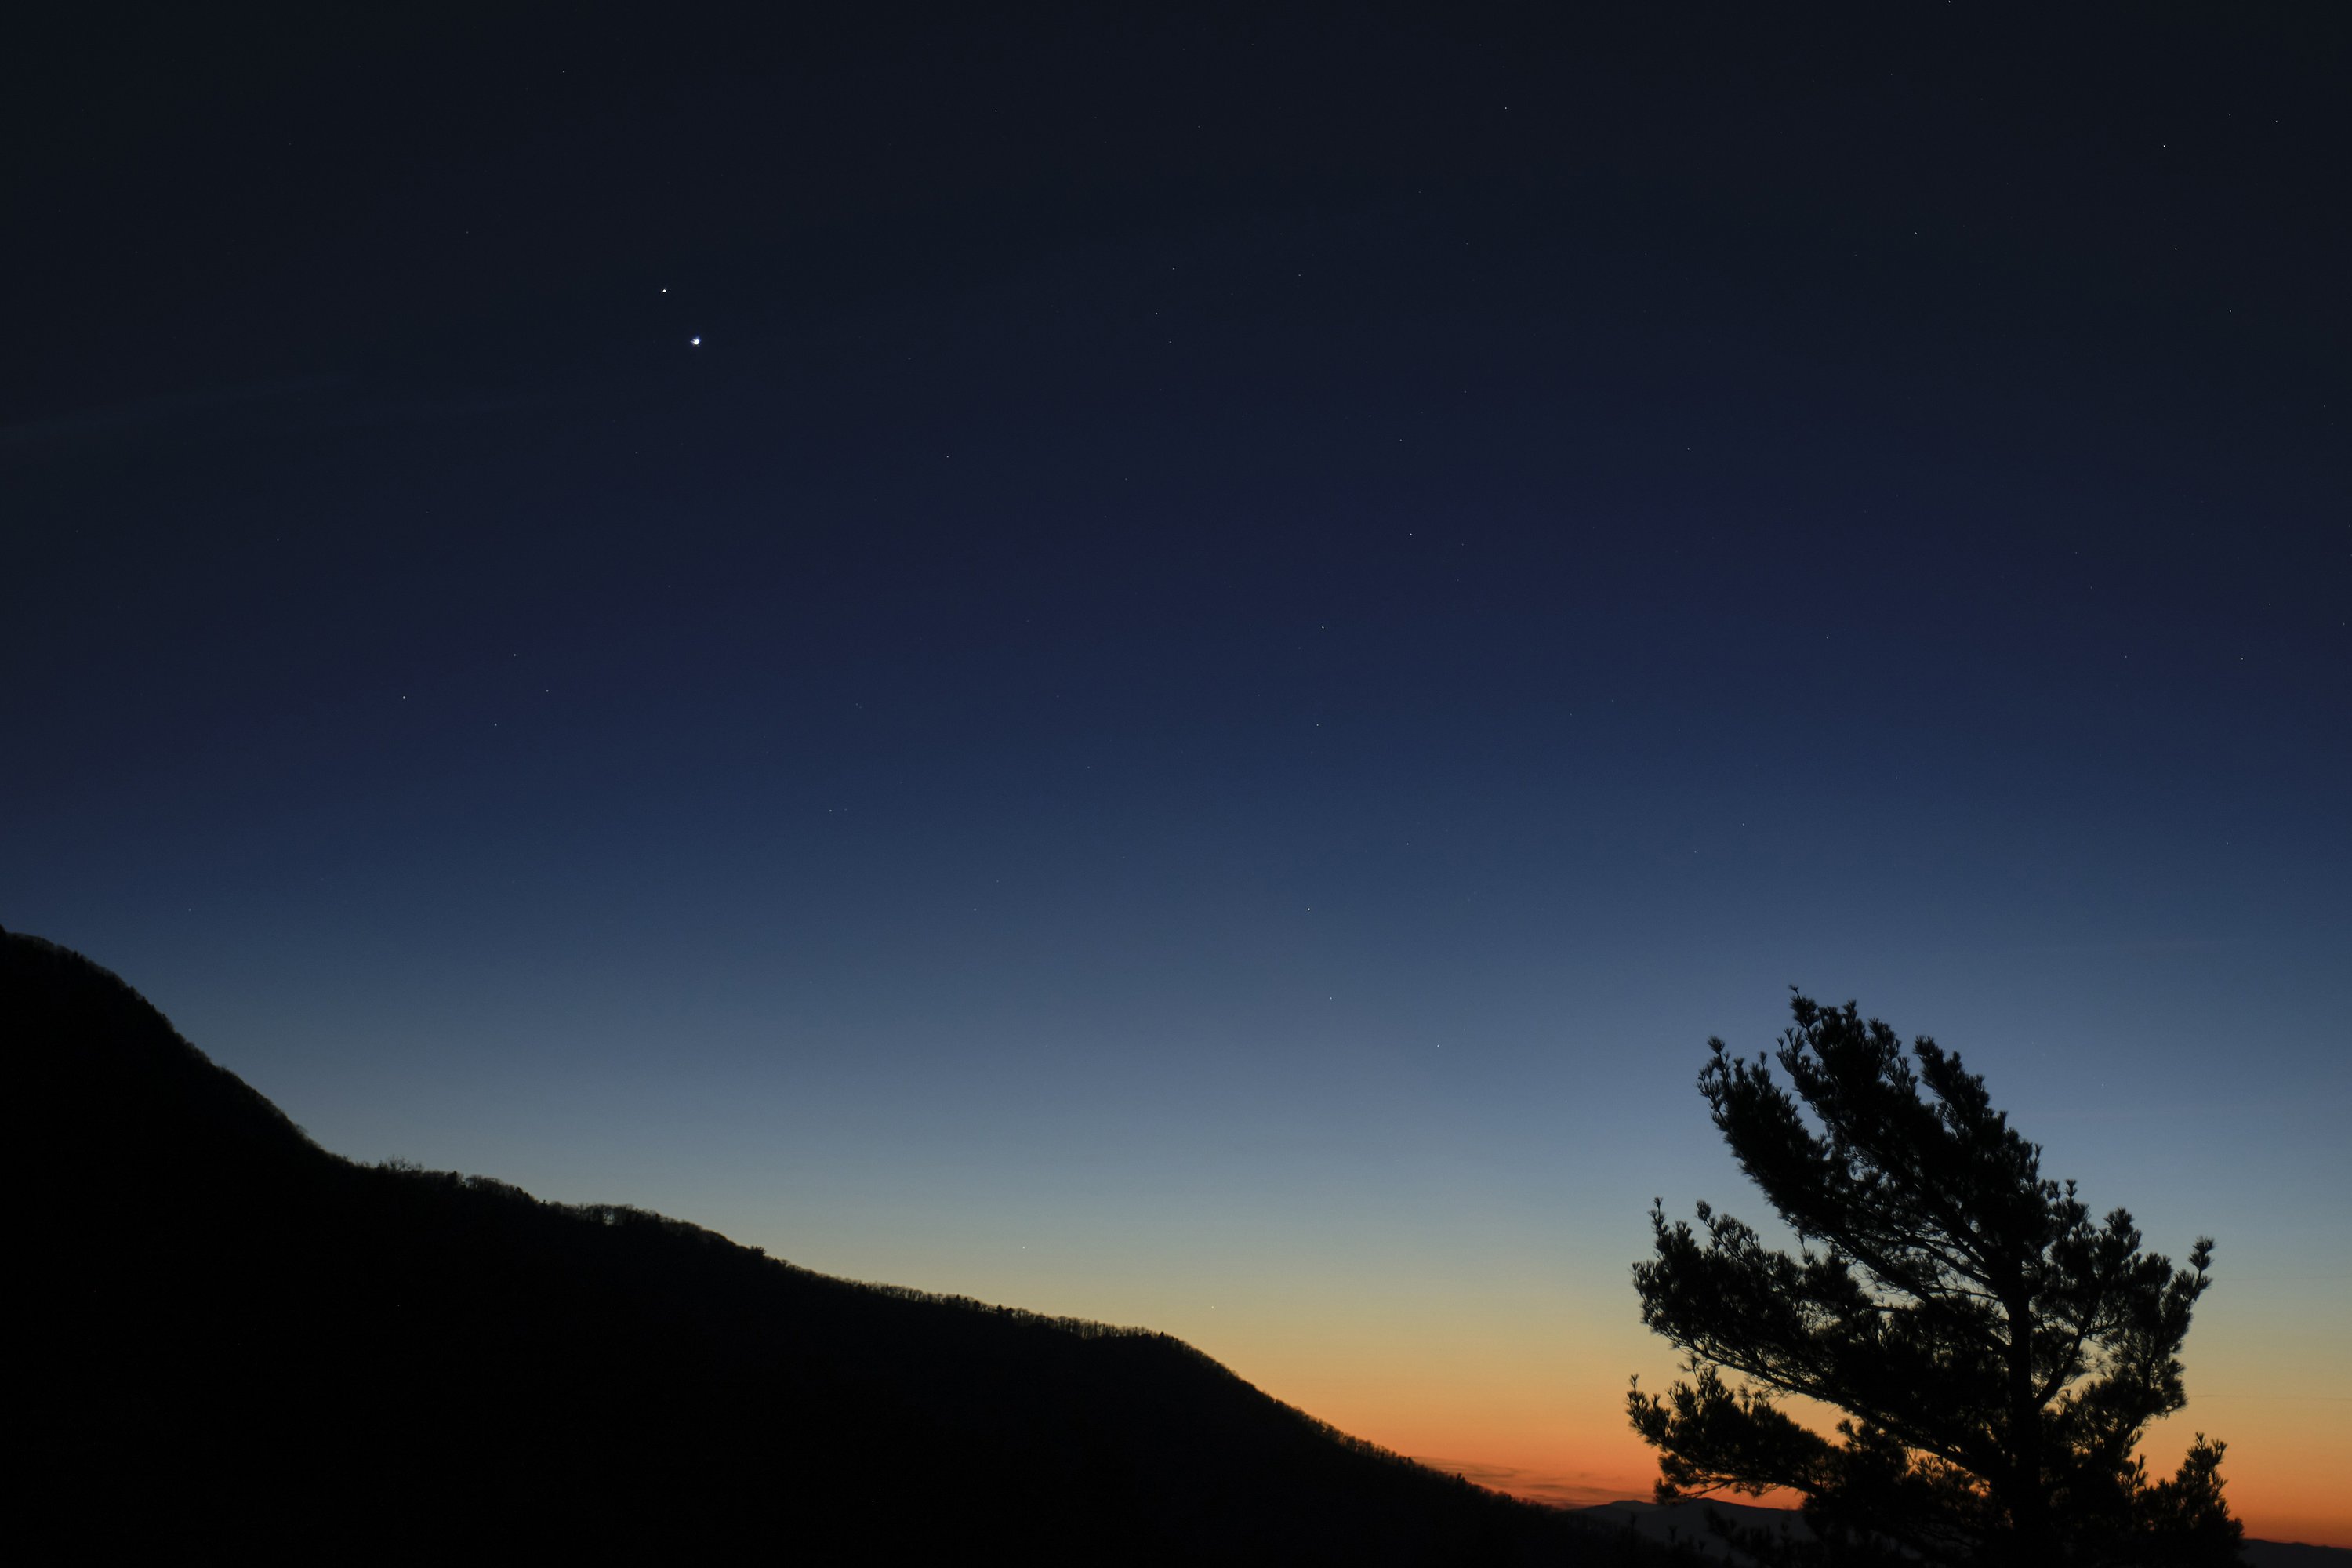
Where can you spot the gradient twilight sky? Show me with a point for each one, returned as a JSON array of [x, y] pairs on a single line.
[[1239, 637]]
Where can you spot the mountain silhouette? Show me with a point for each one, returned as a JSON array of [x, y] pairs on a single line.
[[245, 1345]]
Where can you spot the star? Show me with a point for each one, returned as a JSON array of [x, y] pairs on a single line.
[[694, 343]]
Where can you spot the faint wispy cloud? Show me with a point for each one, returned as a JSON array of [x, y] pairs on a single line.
[[147, 413], [288, 404], [2154, 946], [1535, 1486]]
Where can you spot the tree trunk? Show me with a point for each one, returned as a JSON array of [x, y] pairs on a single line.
[[2036, 1541]]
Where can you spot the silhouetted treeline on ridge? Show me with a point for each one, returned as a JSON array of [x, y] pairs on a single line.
[[246, 1345]]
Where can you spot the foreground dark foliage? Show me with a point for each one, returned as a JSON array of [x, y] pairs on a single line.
[[243, 1347], [1999, 1353]]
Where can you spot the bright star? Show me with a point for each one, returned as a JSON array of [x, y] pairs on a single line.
[[697, 342]]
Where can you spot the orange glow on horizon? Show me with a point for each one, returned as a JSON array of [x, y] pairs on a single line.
[[1500, 1427], [2294, 1500], [1510, 1369]]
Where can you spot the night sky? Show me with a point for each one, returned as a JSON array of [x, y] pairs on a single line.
[[1170, 670]]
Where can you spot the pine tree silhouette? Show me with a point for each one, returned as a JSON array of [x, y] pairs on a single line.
[[1998, 1353]]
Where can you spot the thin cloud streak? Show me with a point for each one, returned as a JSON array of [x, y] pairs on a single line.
[[1535, 1486], [246, 412]]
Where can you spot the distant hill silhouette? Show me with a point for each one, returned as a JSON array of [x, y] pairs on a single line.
[[241, 1345], [1684, 1526]]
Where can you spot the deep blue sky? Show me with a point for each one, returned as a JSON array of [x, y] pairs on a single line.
[[1239, 637]]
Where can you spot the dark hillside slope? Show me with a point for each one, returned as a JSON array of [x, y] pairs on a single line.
[[242, 1341]]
